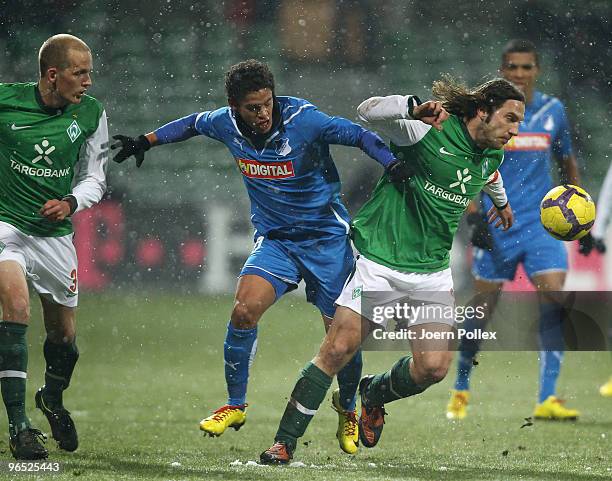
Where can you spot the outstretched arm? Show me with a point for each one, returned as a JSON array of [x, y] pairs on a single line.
[[175, 131]]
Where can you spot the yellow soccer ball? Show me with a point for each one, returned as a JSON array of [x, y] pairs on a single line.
[[567, 212]]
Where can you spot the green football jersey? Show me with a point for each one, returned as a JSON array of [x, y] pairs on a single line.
[[39, 149], [412, 231]]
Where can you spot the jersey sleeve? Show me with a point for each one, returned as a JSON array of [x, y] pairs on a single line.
[[562, 143], [494, 188], [90, 171], [389, 116], [206, 124]]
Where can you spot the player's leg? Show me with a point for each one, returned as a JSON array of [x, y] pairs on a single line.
[[325, 265], [14, 298], [409, 376], [546, 265], [549, 406], [430, 347], [267, 274], [490, 270], [24, 440], [339, 346], [61, 355], [54, 269]]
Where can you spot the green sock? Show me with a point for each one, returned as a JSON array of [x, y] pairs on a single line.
[[397, 383], [307, 396], [13, 369], [61, 359]]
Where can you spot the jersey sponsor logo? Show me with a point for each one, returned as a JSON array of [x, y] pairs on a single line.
[[446, 152], [282, 147], [73, 131], [267, 170], [14, 127], [43, 154], [463, 178], [528, 142], [39, 172], [446, 195]]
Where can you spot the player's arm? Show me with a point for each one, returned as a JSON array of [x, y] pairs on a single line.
[[501, 212], [176, 131], [90, 177], [340, 131], [403, 118]]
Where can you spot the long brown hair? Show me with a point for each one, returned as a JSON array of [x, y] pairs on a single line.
[[457, 98]]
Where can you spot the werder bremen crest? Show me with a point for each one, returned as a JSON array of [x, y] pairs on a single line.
[[73, 131]]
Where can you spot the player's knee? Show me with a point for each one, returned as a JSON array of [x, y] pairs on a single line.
[[339, 353], [62, 335], [16, 308], [244, 316], [431, 371]]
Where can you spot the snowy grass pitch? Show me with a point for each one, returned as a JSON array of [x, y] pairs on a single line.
[[151, 368]]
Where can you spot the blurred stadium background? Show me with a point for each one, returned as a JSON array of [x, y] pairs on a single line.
[[181, 221]]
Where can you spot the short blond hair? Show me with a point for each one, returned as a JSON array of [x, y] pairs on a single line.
[[54, 51]]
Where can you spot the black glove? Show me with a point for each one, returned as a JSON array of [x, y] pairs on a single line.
[[588, 243], [131, 146], [399, 174], [481, 236]]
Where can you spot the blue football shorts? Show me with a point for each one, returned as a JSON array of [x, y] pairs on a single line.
[[538, 253], [324, 263]]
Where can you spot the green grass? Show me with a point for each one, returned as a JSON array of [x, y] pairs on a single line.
[[151, 368]]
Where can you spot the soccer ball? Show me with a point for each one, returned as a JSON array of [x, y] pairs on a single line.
[[567, 212]]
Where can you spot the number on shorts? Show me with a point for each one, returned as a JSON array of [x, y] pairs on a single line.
[[73, 276]]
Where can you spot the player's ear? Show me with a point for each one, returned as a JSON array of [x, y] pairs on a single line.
[[482, 114], [51, 74]]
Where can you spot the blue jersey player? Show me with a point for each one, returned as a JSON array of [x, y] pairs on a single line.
[[544, 136], [281, 148]]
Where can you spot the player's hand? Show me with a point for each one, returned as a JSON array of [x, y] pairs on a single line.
[[131, 146], [431, 113], [501, 216], [399, 174], [481, 236], [588, 243], [55, 210]]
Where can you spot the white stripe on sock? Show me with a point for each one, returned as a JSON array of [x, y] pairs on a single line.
[[20, 374], [302, 409]]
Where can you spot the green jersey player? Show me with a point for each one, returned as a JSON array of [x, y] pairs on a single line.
[[404, 235], [53, 152]]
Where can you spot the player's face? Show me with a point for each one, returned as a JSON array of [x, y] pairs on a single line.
[[256, 110], [521, 69], [72, 82], [496, 129]]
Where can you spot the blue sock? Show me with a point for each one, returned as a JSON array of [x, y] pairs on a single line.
[[238, 352], [348, 381], [464, 368], [552, 345], [468, 348]]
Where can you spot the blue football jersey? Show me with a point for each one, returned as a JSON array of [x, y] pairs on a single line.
[[292, 181], [528, 161]]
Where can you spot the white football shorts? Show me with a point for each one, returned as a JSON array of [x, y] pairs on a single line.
[[49, 263], [380, 294]]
